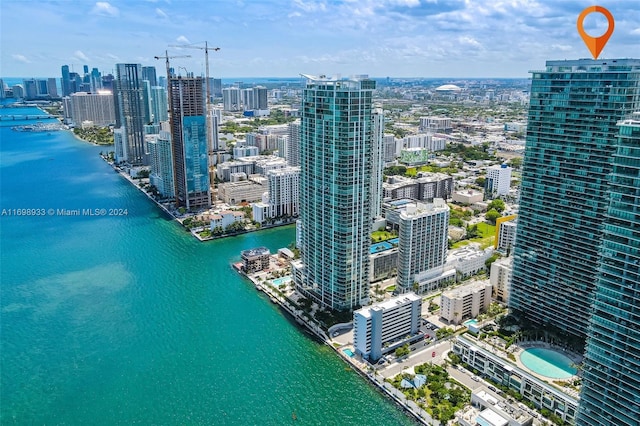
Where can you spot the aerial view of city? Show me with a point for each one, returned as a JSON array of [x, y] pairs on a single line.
[[314, 212]]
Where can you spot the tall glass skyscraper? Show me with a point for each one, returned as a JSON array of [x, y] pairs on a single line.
[[336, 164], [611, 373], [189, 142], [571, 140], [130, 113]]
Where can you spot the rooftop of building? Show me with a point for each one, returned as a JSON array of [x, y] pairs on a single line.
[[257, 251], [591, 65], [418, 209], [466, 289], [448, 88], [388, 304]]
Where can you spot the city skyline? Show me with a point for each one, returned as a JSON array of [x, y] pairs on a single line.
[[278, 38]]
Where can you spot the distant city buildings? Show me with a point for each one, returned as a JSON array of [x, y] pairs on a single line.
[[96, 108], [497, 181], [436, 124]]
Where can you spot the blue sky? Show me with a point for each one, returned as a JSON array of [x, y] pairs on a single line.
[[281, 38]]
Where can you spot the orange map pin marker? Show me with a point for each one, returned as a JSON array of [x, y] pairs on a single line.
[[595, 44]]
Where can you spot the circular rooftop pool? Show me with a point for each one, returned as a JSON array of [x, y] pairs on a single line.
[[548, 363]]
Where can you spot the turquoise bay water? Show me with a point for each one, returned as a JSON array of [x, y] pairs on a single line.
[[127, 319], [548, 363]]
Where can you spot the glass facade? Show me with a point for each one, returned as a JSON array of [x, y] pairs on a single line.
[[189, 142], [335, 191], [611, 377], [130, 112], [575, 107]]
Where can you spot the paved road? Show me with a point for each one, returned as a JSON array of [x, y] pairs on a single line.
[[420, 356]]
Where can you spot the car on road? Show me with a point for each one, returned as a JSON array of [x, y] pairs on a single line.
[[492, 388], [433, 354], [475, 378]]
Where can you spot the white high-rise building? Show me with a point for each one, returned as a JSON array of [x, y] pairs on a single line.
[[120, 145], [422, 242], [389, 144], [498, 181], [293, 147], [161, 175], [500, 279], [284, 192], [386, 324], [159, 104], [98, 108], [231, 99]]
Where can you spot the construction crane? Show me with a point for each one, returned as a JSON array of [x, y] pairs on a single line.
[[166, 57], [206, 49]]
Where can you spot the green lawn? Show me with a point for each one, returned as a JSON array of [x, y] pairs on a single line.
[[378, 236], [487, 236]]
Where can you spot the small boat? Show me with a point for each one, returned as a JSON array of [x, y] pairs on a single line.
[[293, 416]]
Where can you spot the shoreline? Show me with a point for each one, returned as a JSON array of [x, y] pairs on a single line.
[[283, 303]]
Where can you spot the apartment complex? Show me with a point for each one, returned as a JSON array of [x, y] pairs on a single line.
[[382, 327], [97, 108], [465, 302], [336, 162], [422, 241], [571, 140]]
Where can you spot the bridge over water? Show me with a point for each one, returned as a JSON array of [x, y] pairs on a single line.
[[22, 117]]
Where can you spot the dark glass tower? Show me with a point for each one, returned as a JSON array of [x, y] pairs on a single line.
[[611, 376], [149, 74], [189, 142], [571, 139], [66, 81], [129, 103]]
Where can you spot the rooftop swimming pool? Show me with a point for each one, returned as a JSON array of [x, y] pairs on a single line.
[[349, 352], [548, 363], [377, 248]]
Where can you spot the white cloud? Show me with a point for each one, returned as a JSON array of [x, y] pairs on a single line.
[[469, 41], [21, 58], [105, 9], [183, 39], [161, 13], [635, 32], [80, 55], [310, 6], [294, 15], [562, 47]]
